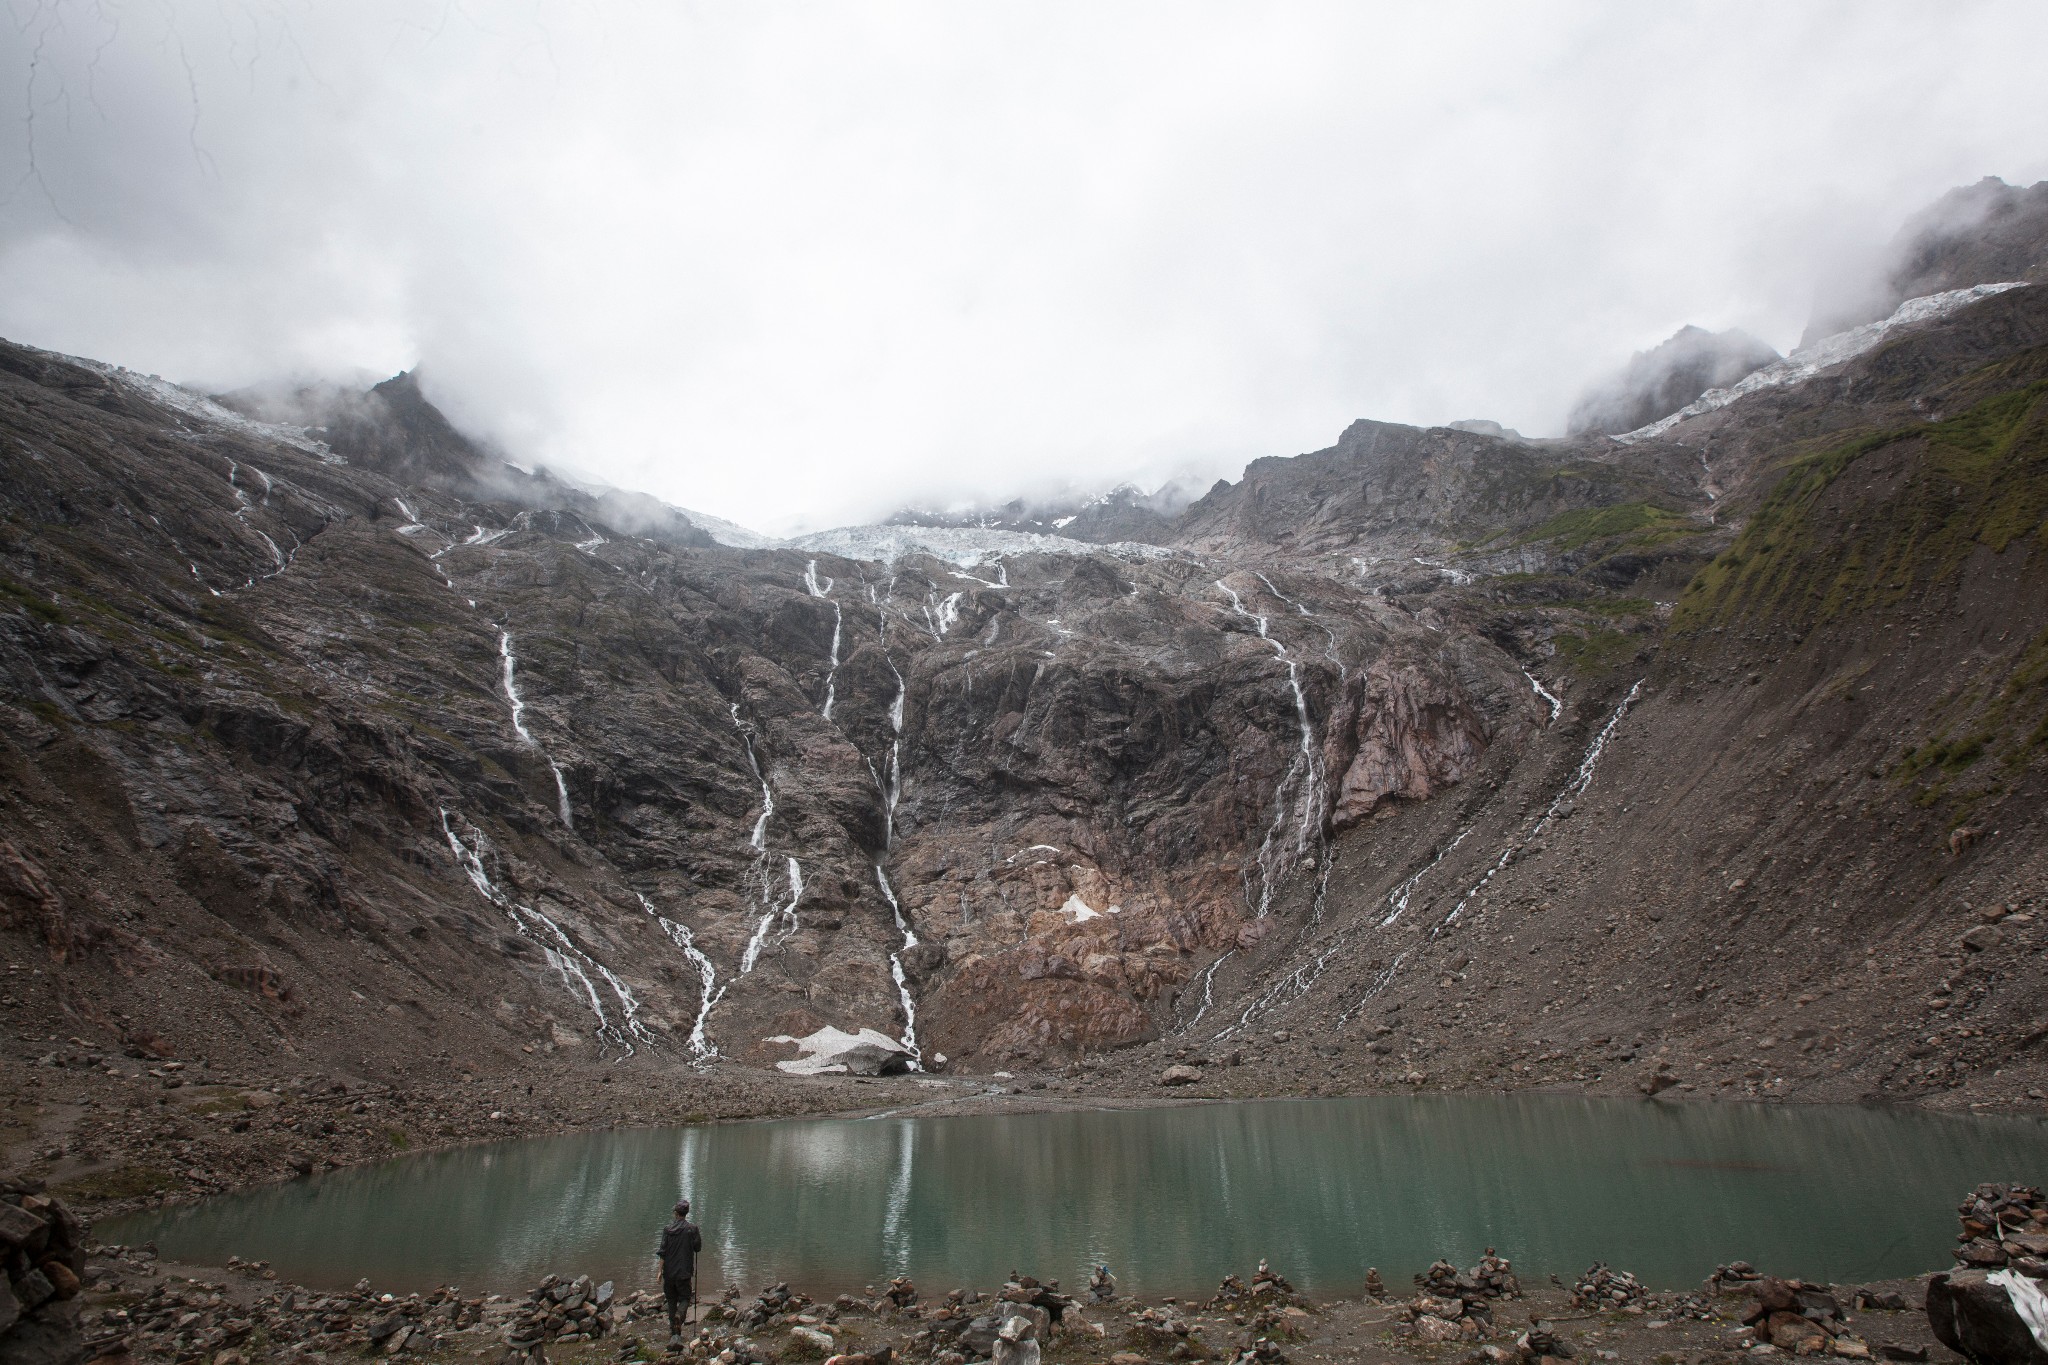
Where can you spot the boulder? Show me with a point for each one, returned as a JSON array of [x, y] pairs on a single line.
[[20, 1228], [1016, 1344], [1975, 1317], [1983, 937], [1794, 1332], [1180, 1075], [1435, 1329]]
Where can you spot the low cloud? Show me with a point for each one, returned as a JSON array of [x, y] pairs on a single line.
[[801, 265]]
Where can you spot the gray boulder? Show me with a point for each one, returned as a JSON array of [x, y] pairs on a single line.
[[1975, 1318]]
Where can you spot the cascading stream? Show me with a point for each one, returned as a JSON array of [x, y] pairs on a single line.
[[891, 790], [244, 505], [1581, 779], [772, 910], [509, 677], [838, 621], [559, 950], [510, 680], [1556, 706], [679, 934], [1304, 776], [1208, 988], [903, 994], [941, 615]]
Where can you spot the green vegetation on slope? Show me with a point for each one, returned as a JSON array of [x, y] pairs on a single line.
[[1977, 479], [1871, 523], [1643, 522]]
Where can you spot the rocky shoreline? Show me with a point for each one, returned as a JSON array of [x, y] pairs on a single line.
[[135, 1309]]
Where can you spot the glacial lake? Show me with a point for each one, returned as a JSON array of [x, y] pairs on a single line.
[[1168, 1198]]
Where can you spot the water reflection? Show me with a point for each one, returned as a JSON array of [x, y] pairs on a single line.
[[1170, 1199]]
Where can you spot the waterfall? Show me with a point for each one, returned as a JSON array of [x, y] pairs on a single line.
[[838, 620], [558, 950], [680, 935], [1304, 776], [903, 995]]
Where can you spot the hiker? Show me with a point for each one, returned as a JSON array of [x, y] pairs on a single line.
[[677, 1250]]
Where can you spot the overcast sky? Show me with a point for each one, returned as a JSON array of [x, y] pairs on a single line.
[[799, 264]]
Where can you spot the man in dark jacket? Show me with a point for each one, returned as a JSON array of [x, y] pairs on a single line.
[[678, 1248]]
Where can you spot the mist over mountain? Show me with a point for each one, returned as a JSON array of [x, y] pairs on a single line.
[[1125, 512], [1660, 381], [1971, 235]]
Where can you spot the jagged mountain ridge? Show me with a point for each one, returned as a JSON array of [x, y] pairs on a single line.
[[270, 760]]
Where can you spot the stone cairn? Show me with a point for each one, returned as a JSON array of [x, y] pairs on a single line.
[[1603, 1288], [1011, 1330], [560, 1310], [42, 1245], [778, 1304], [1262, 1309], [1454, 1305], [1802, 1318], [2004, 1225], [2002, 1266]]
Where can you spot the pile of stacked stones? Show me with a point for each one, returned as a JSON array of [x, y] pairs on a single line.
[[2004, 1226], [776, 1305], [902, 1292], [1455, 1306], [43, 1246], [2003, 1255], [1801, 1318], [1011, 1330], [645, 1305], [1046, 1297], [1161, 1334], [1261, 1352], [709, 1346], [1604, 1289], [1734, 1278], [561, 1310], [1540, 1346], [1268, 1288]]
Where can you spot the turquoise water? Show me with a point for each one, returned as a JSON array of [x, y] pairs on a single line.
[[1170, 1198]]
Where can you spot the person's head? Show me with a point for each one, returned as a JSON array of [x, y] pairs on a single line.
[[683, 1209]]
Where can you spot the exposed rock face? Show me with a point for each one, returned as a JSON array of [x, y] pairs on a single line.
[[636, 791], [304, 759], [1658, 382]]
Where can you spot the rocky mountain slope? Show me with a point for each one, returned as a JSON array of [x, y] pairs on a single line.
[[1707, 758]]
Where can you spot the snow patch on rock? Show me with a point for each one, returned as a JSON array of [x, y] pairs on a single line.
[[835, 1051], [1082, 911]]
